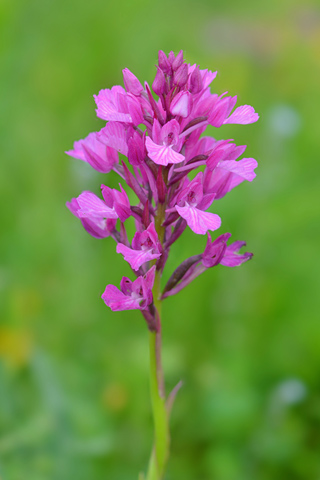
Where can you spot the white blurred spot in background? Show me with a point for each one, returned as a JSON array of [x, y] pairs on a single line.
[[286, 394], [291, 391], [284, 120]]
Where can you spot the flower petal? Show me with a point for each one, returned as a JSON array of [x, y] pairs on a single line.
[[114, 135], [232, 257], [243, 168], [92, 206], [106, 101], [162, 154], [199, 222], [96, 226], [117, 300], [243, 115], [136, 258]]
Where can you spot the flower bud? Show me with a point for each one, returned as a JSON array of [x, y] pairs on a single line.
[[131, 82], [180, 76], [196, 83], [171, 58], [159, 83], [177, 61], [164, 63]]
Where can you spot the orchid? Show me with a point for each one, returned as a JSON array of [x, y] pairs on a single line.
[[164, 143]]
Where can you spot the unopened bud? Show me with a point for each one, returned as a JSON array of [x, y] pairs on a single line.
[[131, 82], [196, 84], [159, 83], [180, 76], [164, 63], [177, 61], [171, 57]]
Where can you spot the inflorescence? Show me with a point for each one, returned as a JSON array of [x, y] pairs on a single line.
[[162, 140]]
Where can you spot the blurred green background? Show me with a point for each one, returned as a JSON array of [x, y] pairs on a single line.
[[74, 394]]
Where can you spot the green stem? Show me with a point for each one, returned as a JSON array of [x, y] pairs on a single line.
[[160, 450]]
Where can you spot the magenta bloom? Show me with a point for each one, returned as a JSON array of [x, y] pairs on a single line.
[[92, 151], [163, 150], [90, 206], [232, 257], [191, 203], [228, 174], [145, 247], [164, 144], [118, 106], [132, 295], [98, 227]]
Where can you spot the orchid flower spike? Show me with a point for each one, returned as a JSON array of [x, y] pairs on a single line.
[[162, 140]]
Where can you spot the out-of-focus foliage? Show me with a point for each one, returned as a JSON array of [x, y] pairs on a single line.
[[74, 398]]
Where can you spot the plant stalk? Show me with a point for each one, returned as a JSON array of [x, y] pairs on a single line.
[[160, 452]]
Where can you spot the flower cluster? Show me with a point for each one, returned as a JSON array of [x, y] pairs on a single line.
[[162, 140]]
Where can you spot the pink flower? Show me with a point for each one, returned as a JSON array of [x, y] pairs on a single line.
[[214, 251], [117, 201], [228, 174], [132, 295], [98, 227], [91, 206], [145, 247], [163, 148], [190, 203], [92, 151], [232, 257], [116, 105]]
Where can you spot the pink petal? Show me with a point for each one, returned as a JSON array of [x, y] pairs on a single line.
[[91, 206], [114, 135], [244, 168], [162, 154], [232, 257], [199, 221], [117, 300], [219, 112], [131, 82], [92, 151], [107, 108], [149, 277], [77, 151], [96, 226], [103, 164], [181, 104], [136, 258], [244, 114]]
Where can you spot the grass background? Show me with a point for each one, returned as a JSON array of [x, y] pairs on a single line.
[[74, 398]]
